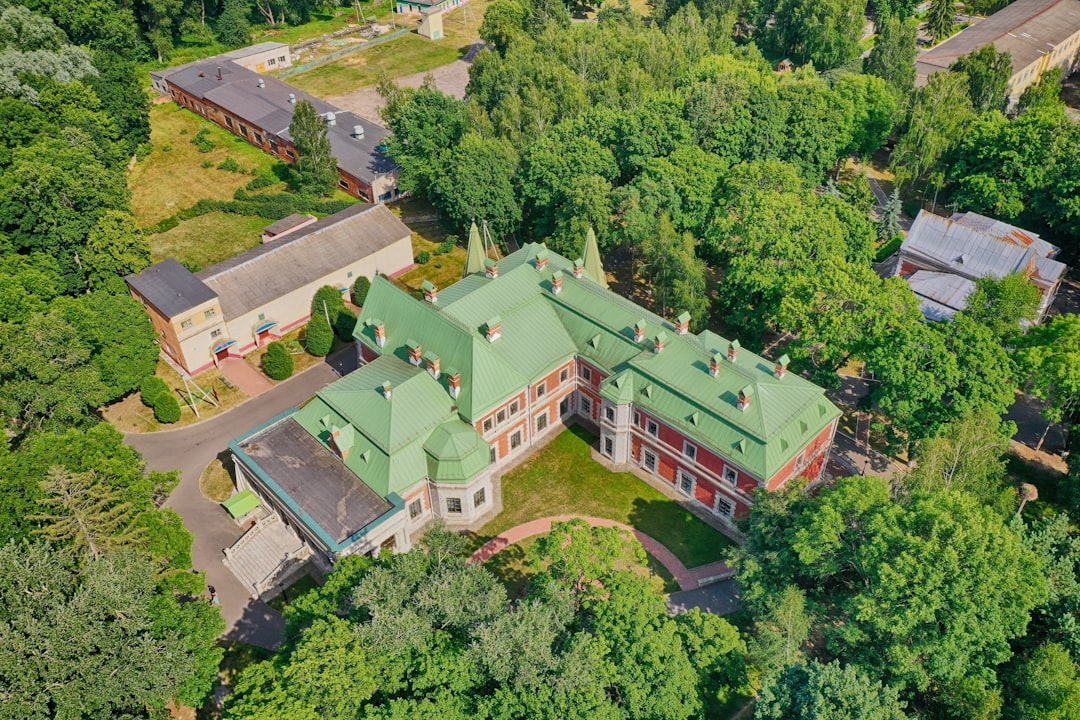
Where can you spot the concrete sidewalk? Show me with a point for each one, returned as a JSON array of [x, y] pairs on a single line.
[[688, 579]]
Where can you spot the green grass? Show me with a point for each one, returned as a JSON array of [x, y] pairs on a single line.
[[169, 180], [208, 239], [563, 479]]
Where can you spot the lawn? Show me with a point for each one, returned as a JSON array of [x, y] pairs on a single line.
[[563, 479], [208, 239], [173, 177], [293, 340], [402, 56], [216, 482]]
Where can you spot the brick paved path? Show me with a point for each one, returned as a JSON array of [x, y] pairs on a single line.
[[687, 578]]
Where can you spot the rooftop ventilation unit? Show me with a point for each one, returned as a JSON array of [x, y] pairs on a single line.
[[358, 132]]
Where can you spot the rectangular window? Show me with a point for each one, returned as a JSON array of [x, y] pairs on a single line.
[[274, 146], [343, 185], [500, 417], [210, 313], [541, 422], [652, 428], [514, 407], [515, 440], [349, 274], [724, 506], [215, 333], [609, 413], [290, 153], [564, 375], [494, 454], [415, 508], [541, 389], [586, 374], [689, 450], [243, 129], [686, 483], [609, 446], [453, 505], [564, 405], [258, 139], [637, 418], [281, 59], [648, 460], [479, 498], [731, 474], [586, 406], [487, 425], [185, 324], [271, 61]]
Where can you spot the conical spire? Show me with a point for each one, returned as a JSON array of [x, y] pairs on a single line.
[[591, 259], [474, 255]]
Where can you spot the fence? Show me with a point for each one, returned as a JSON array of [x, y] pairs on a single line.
[[297, 69]]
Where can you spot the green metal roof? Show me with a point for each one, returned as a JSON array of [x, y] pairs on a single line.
[[594, 265], [474, 253], [242, 503], [456, 452]]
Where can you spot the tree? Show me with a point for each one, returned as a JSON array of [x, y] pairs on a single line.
[[677, 274], [940, 19], [32, 44], [1044, 94], [874, 112], [122, 96], [939, 116], [781, 632], [277, 362], [166, 409], [327, 302], [345, 324], [504, 20], [115, 247], [320, 337], [86, 513], [813, 690], [150, 388], [233, 25], [477, 184], [1045, 686], [888, 226], [360, 290], [893, 56], [1050, 360], [1004, 305], [825, 33], [315, 165], [988, 72]]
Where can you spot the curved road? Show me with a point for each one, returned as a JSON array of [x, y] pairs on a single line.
[[190, 450]]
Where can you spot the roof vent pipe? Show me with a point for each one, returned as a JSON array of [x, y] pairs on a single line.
[[219, 72], [358, 132]]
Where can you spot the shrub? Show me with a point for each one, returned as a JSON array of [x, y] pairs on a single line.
[[143, 150], [277, 363], [229, 164], [202, 142], [166, 408], [166, 148], [320, 338], [208, 163], [151, 387], [360, 290], [164, 226], [345, 324], [423, 257], [261, 180], [447, 245], [327, 301]]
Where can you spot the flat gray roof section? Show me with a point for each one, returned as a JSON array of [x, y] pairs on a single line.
[[254, 49], [312, 480], [254, 278], [285, 224], [171, 288], [269, 108], [1026, 29], [942, 294]]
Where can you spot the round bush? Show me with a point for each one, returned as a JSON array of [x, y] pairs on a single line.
[[277, 362], [320, 338], [166, 408], [150, 388], [360, 290], [327, 301], [345, 324], [423, 257]]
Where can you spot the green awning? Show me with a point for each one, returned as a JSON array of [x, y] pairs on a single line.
[[242, 503]]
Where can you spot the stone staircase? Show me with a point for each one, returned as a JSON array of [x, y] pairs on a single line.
[[267, 554]]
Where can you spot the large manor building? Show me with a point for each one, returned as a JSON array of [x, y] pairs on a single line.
[[456, 386]]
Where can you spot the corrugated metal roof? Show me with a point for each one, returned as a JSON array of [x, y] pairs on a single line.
[[171, 288], [286, 223], [942, 294], [269, 271], [1026, 29], [1006, 232]]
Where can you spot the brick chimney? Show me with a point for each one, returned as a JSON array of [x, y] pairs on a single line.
[[714, 364], [493, 328], [639, 331], [541, 259], [733, 350], [432, 362], [682, 324], [491, 268], [579, 267], [416, 352], [556, 282], [659, 341], [379, 329], [431, 293], [386, 390], [453, 382], [745, 395], [781, 366]]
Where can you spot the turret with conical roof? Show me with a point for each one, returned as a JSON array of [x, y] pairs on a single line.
[[591, 259], [474, 255]]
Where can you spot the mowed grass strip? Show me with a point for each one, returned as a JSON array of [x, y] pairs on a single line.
[[208, 239], [167, 181], [563, 479]]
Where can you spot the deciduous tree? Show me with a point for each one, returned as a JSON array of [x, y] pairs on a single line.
[[813, 690], [315, 165], [893, 56], [988, 72]]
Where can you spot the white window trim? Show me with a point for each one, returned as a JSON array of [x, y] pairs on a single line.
[[541, 390], [547, 422], [692, 455], [586, 373], [652, 423], [725, 477], [656, 461], [693, 483], [582, 402], [716, 505]]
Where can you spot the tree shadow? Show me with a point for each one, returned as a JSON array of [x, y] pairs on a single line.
[[510, 565], [260, 625], [693, 541]]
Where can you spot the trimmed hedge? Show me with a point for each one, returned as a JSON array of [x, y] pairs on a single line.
[[360, 290], [166, 408], [151, 387], [345, 324], [320, 338], [277, 363], [334, 303]]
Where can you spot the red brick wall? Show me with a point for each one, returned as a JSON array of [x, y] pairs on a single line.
[[818, 445]]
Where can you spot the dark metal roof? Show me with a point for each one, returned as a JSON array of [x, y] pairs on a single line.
[[268, 107], [267, 272], [286, 223], [171, 288], [312, 480]]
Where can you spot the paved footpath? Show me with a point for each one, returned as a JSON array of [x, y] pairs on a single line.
[[688, 579], [190, 450]]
